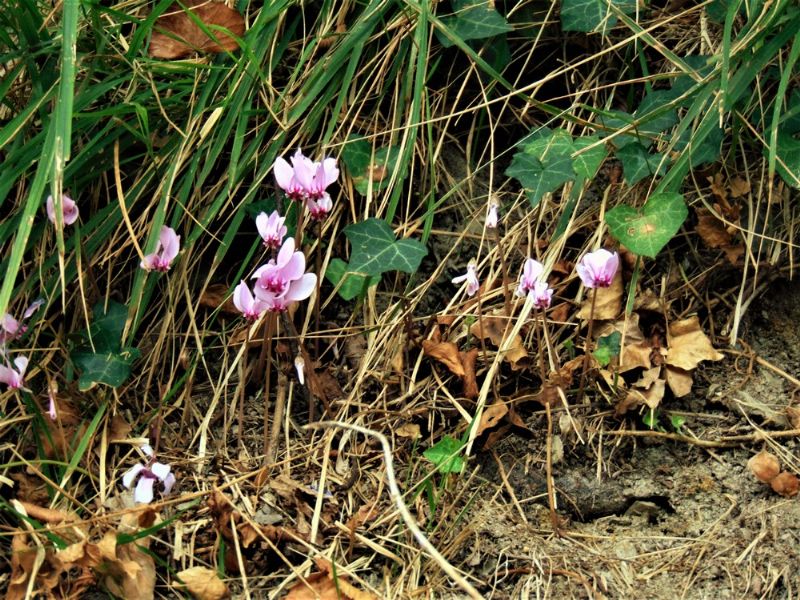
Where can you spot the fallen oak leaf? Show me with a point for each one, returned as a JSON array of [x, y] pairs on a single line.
[[689, 345], [178, 33], [203, 583]]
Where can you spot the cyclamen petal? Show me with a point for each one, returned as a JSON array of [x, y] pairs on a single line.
[[598, 268], [143, 493], [491, 215], [284, 173], [130, 475], [167, 249], [302, 288], [471, 277], [160, 470], [271, 228], [69, 210], [304, 170], [531, 273]]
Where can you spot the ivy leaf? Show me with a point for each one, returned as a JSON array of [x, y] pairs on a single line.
[[473, 20], [101, 360], [638, 163], [586, 163], [648, 230], [375, 251], [108, 368], [607, 348], [651, 115], [366, 170], [540, 178], [788, 151], [547, 142], [592, 15], [445, 454], [354, 284], [613, 121]]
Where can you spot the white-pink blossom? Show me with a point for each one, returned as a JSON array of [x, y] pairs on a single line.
[[250, 306], [304, 178], [531, 284], [147, 476], [271, 229], [491, 215], [597, 269], [471, 277], [14, 378], [283, 280], [69, 210], [167, 248]]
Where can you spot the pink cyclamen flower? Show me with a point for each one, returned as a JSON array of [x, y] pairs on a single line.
[[471, 277], [319, 209], [491, 215], [531, 284], [271, 229], [14, 378], [69, 210], [167, 248], [304, 178], [248, 305], [143, 492], [597, 269], [283, 280], [10, 328]]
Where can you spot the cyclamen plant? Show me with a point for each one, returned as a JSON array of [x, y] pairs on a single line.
[[471, 277], [305, 180], [167, 248], [147, 474], [271, 229]]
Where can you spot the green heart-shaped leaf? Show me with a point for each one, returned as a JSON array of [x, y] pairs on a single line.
[[446, 455], [648, 230]]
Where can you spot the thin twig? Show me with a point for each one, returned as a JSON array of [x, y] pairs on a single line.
[[397, 497]]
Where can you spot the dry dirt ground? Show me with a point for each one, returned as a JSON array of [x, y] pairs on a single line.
[[649, 517]]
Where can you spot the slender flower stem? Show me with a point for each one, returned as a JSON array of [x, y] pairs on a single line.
[[504, 269], [270, 330], [587, 345], [318, 300], [551, 494]]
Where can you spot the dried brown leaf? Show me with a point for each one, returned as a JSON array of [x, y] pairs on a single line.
[[322, 586], [494, 328], [446, 353], [203, 583], [608, 304], [216, 296], [679, 381], [468, 360], [408, 430], [177, 34], [738, 187], [491, 416], [689, 345]]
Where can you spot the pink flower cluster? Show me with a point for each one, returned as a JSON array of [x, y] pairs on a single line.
[[532, 285], [305, 180], [283, 279], [10, 330]]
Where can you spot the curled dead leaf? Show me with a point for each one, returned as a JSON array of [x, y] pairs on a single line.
[[491, 416], [446, 353], [786, 484], [408, 430], [468, 360], [177, 33], [764, 466], [689, 345], [325, 586], [216, 296], [203, 583]]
